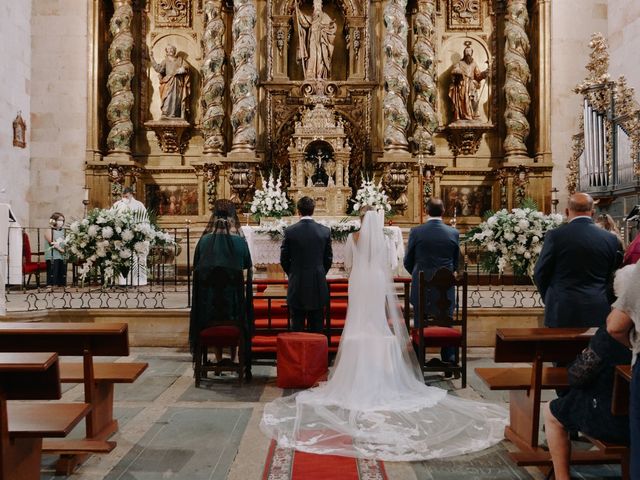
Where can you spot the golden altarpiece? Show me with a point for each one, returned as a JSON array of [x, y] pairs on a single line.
[[191, 100]]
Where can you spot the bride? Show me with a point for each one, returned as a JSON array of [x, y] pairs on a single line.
[[375, 403]]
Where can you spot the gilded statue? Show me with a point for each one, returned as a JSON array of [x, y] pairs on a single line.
[[316, 36], [175, 84], [464, 90]]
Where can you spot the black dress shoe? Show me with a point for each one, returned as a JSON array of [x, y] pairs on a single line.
[[436, 363], [248, 376]]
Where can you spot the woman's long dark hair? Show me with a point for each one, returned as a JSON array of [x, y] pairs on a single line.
[[224, 219]]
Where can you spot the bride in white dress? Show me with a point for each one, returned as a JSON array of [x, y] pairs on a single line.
[[375, 403]]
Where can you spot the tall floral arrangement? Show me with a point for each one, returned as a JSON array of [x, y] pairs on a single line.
[[371, 194], [512, 238], [271, 201], [107, 240]]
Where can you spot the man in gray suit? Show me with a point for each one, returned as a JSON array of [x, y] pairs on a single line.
[[306, 257], [432, 245]]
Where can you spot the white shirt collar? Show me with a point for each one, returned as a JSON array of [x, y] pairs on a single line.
[[307, 217], [581, 216], [433, 218]]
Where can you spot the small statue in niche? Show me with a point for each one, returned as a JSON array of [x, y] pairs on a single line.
[[175, 84], [19, 131], [464, 90], [316, 36]]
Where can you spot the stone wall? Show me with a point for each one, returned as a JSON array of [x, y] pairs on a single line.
[[58, 107], [624, 40], [571, 29], [15, 88]]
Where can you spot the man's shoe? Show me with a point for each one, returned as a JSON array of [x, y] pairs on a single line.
[[436, 363], [248, 376]]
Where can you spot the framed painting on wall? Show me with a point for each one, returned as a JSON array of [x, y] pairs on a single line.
[[172, 199], [466, 200]]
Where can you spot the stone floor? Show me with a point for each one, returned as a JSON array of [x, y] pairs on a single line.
[[171, 430]]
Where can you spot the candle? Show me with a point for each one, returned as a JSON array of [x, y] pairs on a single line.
[[554, 193], [86, 193]]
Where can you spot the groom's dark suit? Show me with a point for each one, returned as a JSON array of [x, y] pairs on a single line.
[[306, 257], [574, 274]]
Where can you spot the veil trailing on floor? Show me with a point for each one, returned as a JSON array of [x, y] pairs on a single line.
[[375, 403]]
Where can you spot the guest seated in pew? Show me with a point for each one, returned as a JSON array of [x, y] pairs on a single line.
[[586, 406], [222, 280], [623, 323]]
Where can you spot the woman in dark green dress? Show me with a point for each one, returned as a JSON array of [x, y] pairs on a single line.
[[222, 286]]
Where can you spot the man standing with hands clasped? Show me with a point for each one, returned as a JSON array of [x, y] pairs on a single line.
[[306, 257], [575, 270]]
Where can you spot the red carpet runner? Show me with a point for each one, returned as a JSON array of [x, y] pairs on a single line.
[[288, 464]]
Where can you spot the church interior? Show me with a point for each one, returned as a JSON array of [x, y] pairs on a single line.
[[153, 113]]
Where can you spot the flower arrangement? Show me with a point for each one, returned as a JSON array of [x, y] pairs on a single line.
[[512, 238], [274, 229], [107, 240], [371, 194], [272, 201]]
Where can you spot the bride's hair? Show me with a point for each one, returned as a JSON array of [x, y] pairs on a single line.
[[364, 209]]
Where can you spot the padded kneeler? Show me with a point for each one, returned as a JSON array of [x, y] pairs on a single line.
[[302, 359]]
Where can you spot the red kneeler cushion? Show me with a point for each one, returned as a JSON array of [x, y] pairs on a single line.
[[438, 336], [302, 359], [220, 336]]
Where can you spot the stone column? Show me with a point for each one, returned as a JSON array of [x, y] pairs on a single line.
[[396, 85], [543, 100], [213, 78], [517, 77], [119, 80], [424, 78], [245, 76]]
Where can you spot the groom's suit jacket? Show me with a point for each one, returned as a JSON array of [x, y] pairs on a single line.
[[574, 274], [432, 245], [306, 257]]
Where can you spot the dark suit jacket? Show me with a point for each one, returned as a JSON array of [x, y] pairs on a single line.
[[432, 245], [306, 257], [574, 274]]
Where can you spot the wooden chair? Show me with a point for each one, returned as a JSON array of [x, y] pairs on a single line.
[[219, 336], [437, 328], [29, 267]]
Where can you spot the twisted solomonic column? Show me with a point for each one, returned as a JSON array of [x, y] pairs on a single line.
[[424, 78], [213, 78], [517, 77], [245, 76], [396, 85], [119, 80]]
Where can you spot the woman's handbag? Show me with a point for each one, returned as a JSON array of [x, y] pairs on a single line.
[[585, 368]]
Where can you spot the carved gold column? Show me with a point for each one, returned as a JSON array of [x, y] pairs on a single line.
[[517, 77], [396, 85], [424, 78], [543, 100], [245, 76], [119, 81], [213, 78]]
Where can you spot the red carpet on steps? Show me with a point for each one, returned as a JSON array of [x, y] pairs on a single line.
[[288, 464]]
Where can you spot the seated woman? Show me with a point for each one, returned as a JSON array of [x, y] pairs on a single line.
[[220, 293], [586, 406]]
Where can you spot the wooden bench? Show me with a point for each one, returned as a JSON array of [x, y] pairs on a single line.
[[86, 340], [23, 424]]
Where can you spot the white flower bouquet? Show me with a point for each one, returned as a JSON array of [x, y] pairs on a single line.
[[512, 238], [272, 201], [107, 240], [371, 194], [341, 229], [274, 229]]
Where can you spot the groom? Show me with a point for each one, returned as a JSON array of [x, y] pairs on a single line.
[[306, 257]]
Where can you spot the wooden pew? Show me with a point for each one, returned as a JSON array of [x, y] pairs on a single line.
[[535, 346], [32, 376], [86, 340]]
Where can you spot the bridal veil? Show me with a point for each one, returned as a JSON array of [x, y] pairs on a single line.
[[375, 403]]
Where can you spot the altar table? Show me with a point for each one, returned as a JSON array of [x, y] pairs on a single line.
[[266, 251]]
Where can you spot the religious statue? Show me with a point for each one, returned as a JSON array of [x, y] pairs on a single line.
[[464, 90], [175, 84], [316, 35]]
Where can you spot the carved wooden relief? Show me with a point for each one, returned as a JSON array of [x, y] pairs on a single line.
[[464, 15], [172, 13]]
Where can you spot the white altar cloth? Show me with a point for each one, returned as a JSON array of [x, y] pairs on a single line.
[[265, 251]]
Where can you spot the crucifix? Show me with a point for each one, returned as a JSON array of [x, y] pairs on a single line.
[[319, 158]]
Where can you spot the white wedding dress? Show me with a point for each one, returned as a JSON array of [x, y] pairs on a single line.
[[375, 403]]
